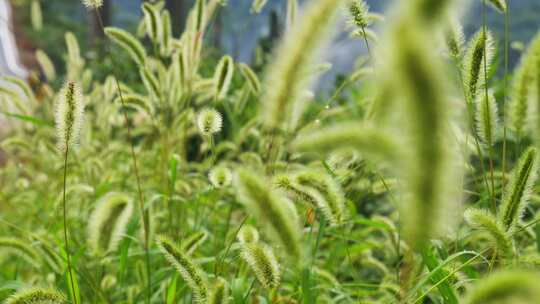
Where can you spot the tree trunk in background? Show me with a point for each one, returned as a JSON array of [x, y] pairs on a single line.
[[179, 10], [96, 34]]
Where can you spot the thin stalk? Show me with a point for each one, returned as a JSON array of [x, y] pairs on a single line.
[[397, 242], [222, 258], [484, 29], [249, 290], [137, 176], [506, 57], [367, 43], [66, 241]]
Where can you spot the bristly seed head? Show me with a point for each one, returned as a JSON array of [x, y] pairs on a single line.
[[69, 116], [262, 261], [220, 177], [37, 295], [248, 234], [358, 10], [209, 121]]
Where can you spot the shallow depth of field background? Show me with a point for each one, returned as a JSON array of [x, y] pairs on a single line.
[[315, 151]]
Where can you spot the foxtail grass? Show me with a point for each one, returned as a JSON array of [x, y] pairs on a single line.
[[69, 119], [511, 286], [37, 296], [190, 272], [272, 210], [137, 52]]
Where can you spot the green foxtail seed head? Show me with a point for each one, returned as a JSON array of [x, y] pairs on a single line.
[[209, 121], [454, 38], [46, 65], [302, 188], [37, 296], [191, 243], [286, 77], [21, 249], [197, 16], [487, 119], [129, 43], [251, 78], [480, 49], [271, 210], [190, 272], [36, 15], [521, 93], [359, 12], [248, 234], [509, 286], [166, 34], [518, 191], [534, 51], [219, 293], [485, 221], [430, 166], [223, 76], [331, 192], [69, 112], [263, 263], [220, 176], [93, 4], [108, 222], [152, 21]]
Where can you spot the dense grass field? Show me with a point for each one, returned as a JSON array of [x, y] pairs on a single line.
[[184, 176]]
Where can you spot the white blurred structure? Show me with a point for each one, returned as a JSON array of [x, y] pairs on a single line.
[[9, 55]]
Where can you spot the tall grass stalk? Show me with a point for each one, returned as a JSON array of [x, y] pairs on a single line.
[[69, 111], [143, 214], [505, 89], [485, 64]]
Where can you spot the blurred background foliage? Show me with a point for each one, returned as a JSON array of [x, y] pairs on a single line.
[[236, 31]]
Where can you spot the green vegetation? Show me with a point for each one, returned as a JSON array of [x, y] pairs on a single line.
[[185, 177]]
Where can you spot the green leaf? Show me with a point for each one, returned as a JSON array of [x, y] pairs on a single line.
[[431, 260]]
